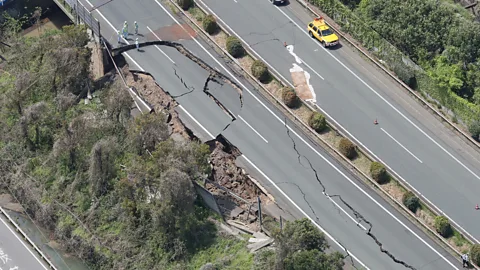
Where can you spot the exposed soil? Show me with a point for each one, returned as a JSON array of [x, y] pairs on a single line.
[[224, 170]]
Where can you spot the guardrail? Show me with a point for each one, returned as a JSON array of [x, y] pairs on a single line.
[[349, 162], [80, 14], [25, 237]]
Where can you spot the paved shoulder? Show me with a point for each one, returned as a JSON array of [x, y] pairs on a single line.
[[15, 254]]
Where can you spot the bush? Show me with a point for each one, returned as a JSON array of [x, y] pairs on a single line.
[[474, 129], [378, 172], [317, 121], [442, 226], [475, 254], [210, 24], [185, 4], [289, 97], [347, 148], [260, 71], [411, 201], [234, 47]]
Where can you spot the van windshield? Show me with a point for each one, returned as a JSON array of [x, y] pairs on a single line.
[[326, 32]]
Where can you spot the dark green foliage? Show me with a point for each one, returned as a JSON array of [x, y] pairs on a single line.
[[301, 246], [289, 97], [347, 148], [441, 37], [443, 227], [234, 47], [314, 260], [475, 254], [185, 4], [317, 122], [378, 172], [474, 129], [260, 71], [209, 24], [411, 201], [128, 184]]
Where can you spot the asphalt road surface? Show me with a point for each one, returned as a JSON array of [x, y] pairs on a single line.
[[280, 160], [15, 254], [432, 159]]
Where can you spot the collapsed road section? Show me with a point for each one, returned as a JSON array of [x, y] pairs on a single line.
[[214, 77]]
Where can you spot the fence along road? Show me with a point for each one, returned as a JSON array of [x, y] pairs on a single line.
[[15, 253], [433, 160], [271, 155]]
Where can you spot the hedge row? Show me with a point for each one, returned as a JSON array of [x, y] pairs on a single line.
[[318, 122]]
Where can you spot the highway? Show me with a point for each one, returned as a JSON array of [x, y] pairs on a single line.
[[279, 159], [15, 254], [416, 146]]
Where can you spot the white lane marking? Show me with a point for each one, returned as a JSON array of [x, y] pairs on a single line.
[[195, 120], [293, 133], [20, 240], [353, 137], [159, 47], [256, 98], [303, 212], [252, 128], [314, 150], [386, 101], [401, 145], [286, 196]]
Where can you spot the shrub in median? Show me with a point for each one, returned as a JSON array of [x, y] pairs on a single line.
[[185, 4], [234, 47], [289, 97], [317, 122], [474, 129], [475, 254], [442, 226], [378, 172], [347, 148], [411, 201], [209, 24], [260, 71]]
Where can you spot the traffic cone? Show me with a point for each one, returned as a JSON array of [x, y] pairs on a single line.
[[284, 44], [375, 122], [476, 207]]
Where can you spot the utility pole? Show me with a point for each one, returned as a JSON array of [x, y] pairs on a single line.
[[259, 211]]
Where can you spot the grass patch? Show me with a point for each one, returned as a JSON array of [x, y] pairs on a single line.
[[362, 163], [197, 14], [226, 252]]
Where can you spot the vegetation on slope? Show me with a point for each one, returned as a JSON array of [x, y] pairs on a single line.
[[114, 190]]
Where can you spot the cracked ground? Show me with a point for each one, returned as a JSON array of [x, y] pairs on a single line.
[[209, 83]]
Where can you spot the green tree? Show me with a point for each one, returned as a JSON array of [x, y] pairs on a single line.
[[314, 260], [442, 226], [378, 172], [475, 254], [317, 121]]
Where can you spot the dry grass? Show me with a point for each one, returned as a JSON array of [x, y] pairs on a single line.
[[362, 163], [394, 190], [302, 112], [331, 137], [220, 38], [246, 62]]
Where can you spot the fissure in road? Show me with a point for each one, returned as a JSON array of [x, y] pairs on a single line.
[[212, 77], [358, 215]]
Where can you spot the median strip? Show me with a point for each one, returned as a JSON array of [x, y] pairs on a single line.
[[274, 85]]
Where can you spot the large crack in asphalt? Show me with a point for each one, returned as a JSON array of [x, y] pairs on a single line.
[[181, 49], [214, 75], [357, 214]]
